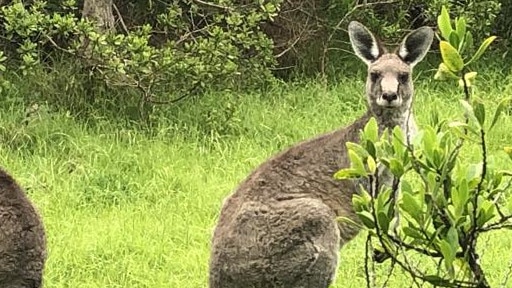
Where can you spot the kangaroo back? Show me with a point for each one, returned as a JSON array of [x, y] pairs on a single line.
[[279, 228]]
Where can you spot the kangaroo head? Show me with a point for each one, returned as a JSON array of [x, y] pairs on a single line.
[[389, 86]]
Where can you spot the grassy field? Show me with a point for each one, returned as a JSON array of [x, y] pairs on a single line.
[[127, 208]]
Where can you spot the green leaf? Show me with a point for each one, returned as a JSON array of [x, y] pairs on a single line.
[[405, 187], [454, 39], [438, 158], [436, 280], [358, 149], [398, 142], [370, 148], [371, 130], [413, 232], [383, 221], [460, 27], [453, 238], [501, 106], [367, 219], [451, 57], [411, 206], [470, 77], [457, 125], [429, 142], [486, 211], [465, 223], [482, 49], [460, 196], [356, 162], [443, 73], [443, 22], [361, 201], [348, 173], [398, 134], [448, 254], [383, 204], [451, 214], [479, 109], [490, 211], [372, 166], [344, 219], [470, 113], [396, 167]]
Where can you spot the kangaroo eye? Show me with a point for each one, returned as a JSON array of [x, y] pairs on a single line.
[[403, 77], [374, 76]]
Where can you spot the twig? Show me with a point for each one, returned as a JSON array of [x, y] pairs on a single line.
[[497, 198], [368, 247], [213, 5], [498, 225], [295, 41], [57, 45], [120, 17], [473, 259], [390, 272], [185, 36]]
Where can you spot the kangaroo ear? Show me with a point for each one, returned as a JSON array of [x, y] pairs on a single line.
[[363, 42], [416, 45]]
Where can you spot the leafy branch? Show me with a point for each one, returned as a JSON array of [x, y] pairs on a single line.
[[200, 45]]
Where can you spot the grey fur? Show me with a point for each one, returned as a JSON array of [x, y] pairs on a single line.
[[22, 238], [278, 229]]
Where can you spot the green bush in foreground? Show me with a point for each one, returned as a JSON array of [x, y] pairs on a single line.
[[447, 205]]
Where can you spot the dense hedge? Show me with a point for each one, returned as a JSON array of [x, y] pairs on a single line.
[[172, 50]]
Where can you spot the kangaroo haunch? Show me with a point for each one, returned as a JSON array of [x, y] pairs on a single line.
[[278, 229], [22, 238]]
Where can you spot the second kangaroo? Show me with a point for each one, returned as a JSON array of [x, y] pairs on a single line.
[[279, 228]]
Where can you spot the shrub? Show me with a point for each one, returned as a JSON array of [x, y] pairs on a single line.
[[186, 47], [309, 36]]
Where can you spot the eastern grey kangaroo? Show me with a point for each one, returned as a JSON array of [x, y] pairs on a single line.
[[22, 238], [278, 228]]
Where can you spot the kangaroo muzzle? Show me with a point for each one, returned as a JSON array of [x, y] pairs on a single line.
[[389, 96]]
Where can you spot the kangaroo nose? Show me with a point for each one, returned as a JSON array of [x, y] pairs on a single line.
[[389, 96]]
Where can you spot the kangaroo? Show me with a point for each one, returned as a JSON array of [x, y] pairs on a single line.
[[22, 238], [279, 228]]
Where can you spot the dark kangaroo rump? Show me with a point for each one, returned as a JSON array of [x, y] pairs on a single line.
[[22, 238]]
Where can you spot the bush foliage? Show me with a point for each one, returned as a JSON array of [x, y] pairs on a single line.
[[183, 49], [164, 51]]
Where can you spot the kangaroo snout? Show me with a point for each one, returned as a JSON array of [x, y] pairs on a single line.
[[389, 87], [390, 97], [389, 100]]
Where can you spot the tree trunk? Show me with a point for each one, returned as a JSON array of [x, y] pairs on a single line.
[[100, 12]]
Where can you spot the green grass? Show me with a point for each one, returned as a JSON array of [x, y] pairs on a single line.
[[127, 208]]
